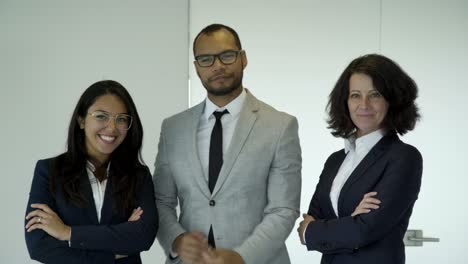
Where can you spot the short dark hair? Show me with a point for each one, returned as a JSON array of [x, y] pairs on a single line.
[[210, 29], [398, 89], [126, 159]]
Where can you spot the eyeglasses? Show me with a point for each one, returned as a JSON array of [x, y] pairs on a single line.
[[226, 57], [121, 121]]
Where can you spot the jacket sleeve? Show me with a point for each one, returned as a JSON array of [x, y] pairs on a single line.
[[166, 197], [125, 238], [45, 248], [284, 193], [315, 208], [398, 190]]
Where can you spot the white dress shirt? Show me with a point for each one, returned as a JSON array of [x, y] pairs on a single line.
[[98, 188], [207, 122], [356, 150]]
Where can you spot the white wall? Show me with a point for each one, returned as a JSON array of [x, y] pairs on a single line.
[[50, 52], [296, 51]]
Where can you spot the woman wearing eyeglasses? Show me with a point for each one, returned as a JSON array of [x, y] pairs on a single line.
[[95, 202]]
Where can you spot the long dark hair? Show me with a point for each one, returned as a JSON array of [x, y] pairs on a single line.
[[395, 85], [126, 158]]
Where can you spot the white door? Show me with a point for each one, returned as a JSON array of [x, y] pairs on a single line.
[[430, 38]]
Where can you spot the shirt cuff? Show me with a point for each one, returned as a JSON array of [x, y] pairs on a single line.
[[69, 241], [303, 236], [173, 255]]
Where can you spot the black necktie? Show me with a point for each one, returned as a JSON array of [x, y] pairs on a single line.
[[215, 161], [216, 150]]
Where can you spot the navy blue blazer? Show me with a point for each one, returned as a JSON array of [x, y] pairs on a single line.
[[391, 168], [92, 241]]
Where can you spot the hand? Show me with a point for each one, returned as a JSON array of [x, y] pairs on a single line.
[[136, 214], [367, 203], [47, 220], [221, 256], [189, 246], [303, 225]]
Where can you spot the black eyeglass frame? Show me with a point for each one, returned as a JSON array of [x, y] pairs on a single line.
[[218, 55]]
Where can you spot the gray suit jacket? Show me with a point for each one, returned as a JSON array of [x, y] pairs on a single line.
[[256, 199]]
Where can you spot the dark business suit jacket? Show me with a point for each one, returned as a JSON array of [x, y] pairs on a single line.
[[92, 241], [391, 168]]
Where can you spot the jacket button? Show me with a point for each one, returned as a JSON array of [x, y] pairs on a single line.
[[212, 203]]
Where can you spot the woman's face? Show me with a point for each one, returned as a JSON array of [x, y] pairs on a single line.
[[104, 131], [367, 107]]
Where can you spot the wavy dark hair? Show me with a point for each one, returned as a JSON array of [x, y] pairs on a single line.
[[393, 84], [210, 29], [126, 158]]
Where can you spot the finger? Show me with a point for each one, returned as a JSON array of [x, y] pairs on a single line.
[[133, 218], [360, 211], [33, 221], [37, 213], [372, 200], [366, 203], [369, 194], [191, 254], [43, 207], [35, 226], [369, 206], [209, 255], [198, 235]]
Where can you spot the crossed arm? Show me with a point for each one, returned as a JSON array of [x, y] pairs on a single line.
[[396, 193], [47, 237]]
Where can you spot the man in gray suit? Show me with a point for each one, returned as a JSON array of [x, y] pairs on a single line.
[[233, 163]]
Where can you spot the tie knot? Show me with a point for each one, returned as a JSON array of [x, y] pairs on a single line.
[[218, 115]]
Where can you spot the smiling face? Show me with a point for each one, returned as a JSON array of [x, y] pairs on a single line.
[[220, 79], [367, 107], [102, 138]]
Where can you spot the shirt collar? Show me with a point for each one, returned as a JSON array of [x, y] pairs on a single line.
[[90, 166], [234, 107], [365, 142]]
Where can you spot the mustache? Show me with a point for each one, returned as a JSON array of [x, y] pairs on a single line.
[[222, 75]]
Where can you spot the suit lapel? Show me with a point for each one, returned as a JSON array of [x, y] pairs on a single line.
[[374, 154], [85, 187], [247, 118], [106, 211], [330, 177], [198, 173]]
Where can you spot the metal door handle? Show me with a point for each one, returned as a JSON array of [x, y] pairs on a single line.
[[424, 239], [415, 238]]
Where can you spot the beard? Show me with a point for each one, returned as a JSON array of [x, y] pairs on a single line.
[[224, 90]]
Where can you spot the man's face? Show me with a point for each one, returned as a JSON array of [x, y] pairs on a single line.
[[220, 78]]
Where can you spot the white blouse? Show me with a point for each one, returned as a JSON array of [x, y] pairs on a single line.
[[356, 150]]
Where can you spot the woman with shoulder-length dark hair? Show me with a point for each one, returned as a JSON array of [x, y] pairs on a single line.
[[95, 202], [362, 204]]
